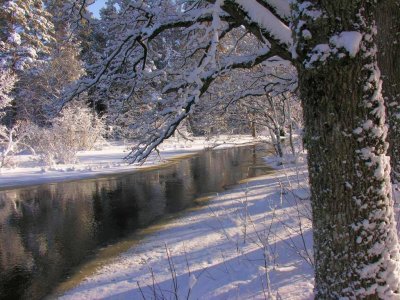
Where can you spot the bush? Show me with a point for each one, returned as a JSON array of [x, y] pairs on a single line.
[[77, 128], [12, 141]]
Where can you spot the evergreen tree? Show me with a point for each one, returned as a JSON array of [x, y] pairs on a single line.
[[26, 32]]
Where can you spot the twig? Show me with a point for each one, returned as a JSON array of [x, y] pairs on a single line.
[[173, 272], [140, 289]]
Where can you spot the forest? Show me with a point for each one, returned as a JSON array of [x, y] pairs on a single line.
[[316, 81]]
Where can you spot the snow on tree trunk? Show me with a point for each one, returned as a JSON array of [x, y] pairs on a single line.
[[388, 22], [355, 242]]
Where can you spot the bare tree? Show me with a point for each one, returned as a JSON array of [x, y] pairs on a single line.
[[334, 52]]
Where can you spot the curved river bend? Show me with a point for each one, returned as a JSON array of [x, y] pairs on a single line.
[[47, 231]]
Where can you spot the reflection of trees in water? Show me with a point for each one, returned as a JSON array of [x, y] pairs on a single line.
[[38, 221], [16, 264], [50, 228], [47, 230]]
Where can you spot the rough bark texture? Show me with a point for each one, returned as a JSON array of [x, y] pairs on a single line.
[[388, 22], [355, 242]]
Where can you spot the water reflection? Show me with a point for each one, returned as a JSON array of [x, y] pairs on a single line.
[[47, 230]]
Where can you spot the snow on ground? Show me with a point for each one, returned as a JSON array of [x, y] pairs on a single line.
[[252, 242], [109, 160]]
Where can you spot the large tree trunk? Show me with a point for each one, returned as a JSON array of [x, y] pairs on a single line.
[[355, 242], [388, 22]]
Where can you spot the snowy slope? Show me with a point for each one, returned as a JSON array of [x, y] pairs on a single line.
[[246, 244]]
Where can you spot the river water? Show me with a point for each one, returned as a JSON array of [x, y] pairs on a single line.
[[48, 231]]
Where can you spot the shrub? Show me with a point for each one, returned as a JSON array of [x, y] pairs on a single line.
[[77, 128]]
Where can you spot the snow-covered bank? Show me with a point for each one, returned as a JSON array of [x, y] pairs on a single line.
[[252, 242], [109, 160]]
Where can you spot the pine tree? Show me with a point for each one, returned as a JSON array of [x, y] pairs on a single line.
[[26, 32]]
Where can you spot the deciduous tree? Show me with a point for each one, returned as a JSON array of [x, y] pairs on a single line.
[[334, 51]]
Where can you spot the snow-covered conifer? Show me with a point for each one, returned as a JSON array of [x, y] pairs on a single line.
[[26, 33]]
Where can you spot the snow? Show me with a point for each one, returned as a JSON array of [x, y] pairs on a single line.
[[358, 130], [307, 8], [282, 7], [350, 40], [245, 244], [267, 20], [14, 38], [320, 52], [306, 34], [109, 160]]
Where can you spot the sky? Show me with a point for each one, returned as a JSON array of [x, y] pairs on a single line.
[[95, 8]]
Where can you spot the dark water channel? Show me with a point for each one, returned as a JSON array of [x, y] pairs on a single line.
[[47, 231]]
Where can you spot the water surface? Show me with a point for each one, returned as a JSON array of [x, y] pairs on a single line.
[[47, 231]]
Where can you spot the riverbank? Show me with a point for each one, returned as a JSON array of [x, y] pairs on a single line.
[[251, 242], [108, 160]]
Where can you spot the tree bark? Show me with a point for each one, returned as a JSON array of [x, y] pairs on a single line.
[[356, 249], [387, 17], [253, 128], [291, 142]]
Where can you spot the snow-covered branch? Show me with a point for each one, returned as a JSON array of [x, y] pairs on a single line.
[[161, 65]]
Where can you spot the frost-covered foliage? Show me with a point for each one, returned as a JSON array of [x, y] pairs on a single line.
[[12, 141], [7, 82], [40, 92], [77, 128], [8, 139], [206, 43], [38, 48], [170, 59], [25, 33], [37, 44], [258, 101]]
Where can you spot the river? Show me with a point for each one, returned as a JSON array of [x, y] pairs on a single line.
[[48, 231]]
